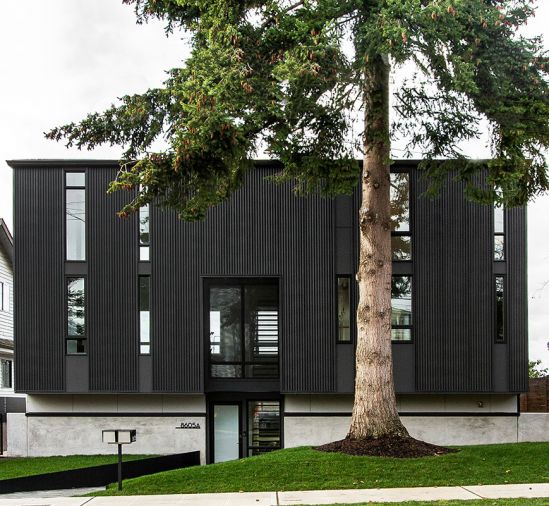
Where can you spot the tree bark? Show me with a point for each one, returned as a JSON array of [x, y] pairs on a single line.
[[375, 412]]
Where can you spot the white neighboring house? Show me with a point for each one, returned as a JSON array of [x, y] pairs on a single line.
[[9, 401]]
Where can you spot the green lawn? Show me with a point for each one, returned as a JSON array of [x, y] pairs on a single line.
[[307, 469], [17, 467], [483, 502]]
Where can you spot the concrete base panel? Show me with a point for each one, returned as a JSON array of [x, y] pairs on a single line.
[[75, 435], [447, 430], [533, 427]]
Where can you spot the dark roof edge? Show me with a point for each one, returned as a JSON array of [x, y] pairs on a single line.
[[85, 163], [6, 240]]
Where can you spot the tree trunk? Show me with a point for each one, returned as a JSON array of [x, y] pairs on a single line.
[[375, 412]]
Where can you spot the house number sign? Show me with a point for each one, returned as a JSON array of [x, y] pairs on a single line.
[[188, 425]]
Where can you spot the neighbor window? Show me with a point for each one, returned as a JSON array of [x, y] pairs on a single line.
[[499, 233], [344, 309], [144, 315], [76, 316], [500, 308], [401, 240], [401, 308], [75, 215], [242, 328], [4, 296], [144, 239], [6, 373]]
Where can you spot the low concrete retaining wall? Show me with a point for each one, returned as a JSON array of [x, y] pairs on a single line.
[[442, 430], [98, 476]]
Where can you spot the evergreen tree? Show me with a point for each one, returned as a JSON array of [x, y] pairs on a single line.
[[275, 72]]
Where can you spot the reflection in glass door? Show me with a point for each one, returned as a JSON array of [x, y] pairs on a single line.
[[226, 432], [263, 427]]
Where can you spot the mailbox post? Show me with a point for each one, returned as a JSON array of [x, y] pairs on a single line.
[[119, 437]]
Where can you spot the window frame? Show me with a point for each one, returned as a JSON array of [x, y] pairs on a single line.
[[352, 309], [412, 299], [3, 362], [139, 342], [66, 304], [139, 243], [86, 211], [403, 233], [499, 234], [238, 282], [497, 339]]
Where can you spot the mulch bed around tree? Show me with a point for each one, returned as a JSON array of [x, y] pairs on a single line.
[[398, 447]]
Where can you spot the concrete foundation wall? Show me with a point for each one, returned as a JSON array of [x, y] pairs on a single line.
[[442, 430]]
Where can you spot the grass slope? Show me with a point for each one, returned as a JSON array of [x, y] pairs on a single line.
[[18, 467], [307, 469]]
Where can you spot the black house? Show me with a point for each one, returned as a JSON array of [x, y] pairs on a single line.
[[236, 335]]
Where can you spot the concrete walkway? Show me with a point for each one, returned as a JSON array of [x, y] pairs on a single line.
[[389, 495]]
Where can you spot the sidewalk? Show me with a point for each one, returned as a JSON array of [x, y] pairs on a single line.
[[300, 498]]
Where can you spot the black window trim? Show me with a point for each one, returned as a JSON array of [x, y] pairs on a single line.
[[139, 276], [412, 326], [404, 233], [499, 234], [503, 339], [66, 313], [70, 187], [352, 309]]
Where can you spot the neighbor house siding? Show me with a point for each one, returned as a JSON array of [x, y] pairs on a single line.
[[6, 277]]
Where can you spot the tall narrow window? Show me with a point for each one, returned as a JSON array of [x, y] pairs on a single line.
[[401, 308], [344, 309], [76, 316], [144, 315], [75, 215], [4, 296], [401, 240], [499, 233], [500, 309], [144, 239], [6, 373]]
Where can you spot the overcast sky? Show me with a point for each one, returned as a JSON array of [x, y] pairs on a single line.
[[63, 58]]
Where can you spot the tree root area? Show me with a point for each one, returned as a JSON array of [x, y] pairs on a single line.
[[389, 446]]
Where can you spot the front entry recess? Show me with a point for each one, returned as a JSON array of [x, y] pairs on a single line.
[[226, 432]]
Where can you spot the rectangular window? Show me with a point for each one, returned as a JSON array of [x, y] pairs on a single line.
[[499, 233], [76, 316], [401, 308], [242, 329], [6, 373], [401, 240], [144, 239], [344, 309], [4, 296], [144, 315], [500, 308], [263, 427], [75, 215]]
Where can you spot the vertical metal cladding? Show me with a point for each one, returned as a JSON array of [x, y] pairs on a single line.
[[39, 293], [517, 299], [453, 291], [111, 288], [263, 230]]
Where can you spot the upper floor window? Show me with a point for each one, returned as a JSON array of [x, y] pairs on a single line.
[[500, 308], [401, 240], [76, 316], [401, 308], [75, 215], [144, 238], [144, 315], [6, 373], [242, 329], [499, 233], [4, 296], [344, 309]]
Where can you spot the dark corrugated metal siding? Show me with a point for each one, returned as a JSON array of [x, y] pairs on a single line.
[[263, 230], [39, 283], [517, 307], [454, 328], [112, 289]]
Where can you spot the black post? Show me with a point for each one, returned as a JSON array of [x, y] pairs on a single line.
[[119, 467]]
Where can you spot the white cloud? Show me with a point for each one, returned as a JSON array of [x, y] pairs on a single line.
[[62, 59]]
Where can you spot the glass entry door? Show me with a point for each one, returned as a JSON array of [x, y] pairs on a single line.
[[226, 432], [244, 428]]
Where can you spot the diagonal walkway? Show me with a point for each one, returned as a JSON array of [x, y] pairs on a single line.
[[306, 497]]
